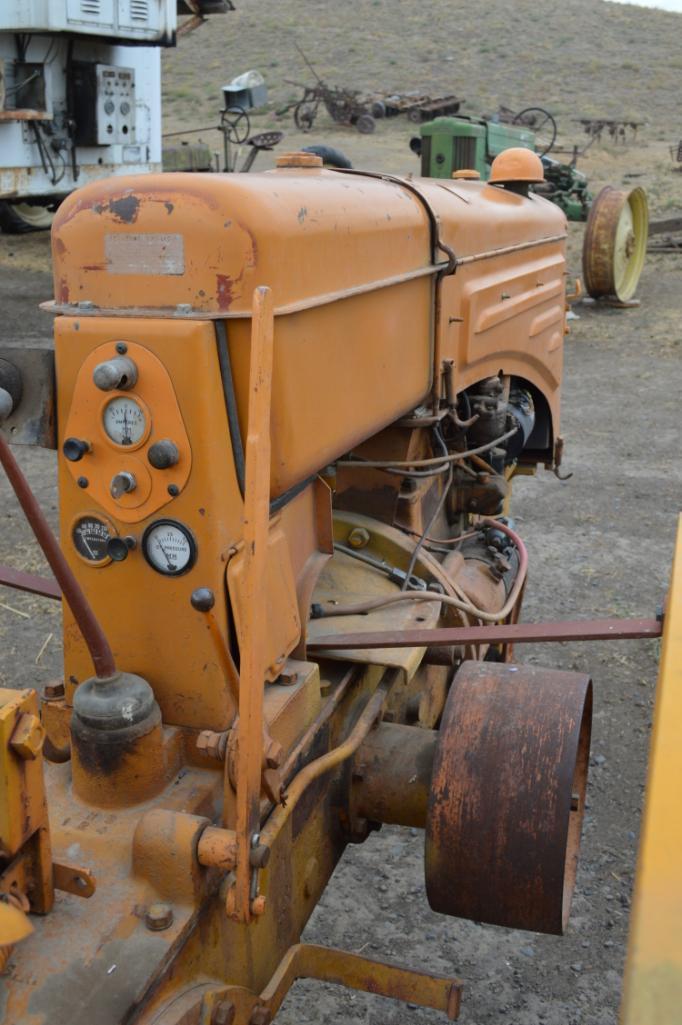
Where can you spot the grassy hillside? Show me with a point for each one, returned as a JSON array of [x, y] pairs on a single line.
[[576, 57]]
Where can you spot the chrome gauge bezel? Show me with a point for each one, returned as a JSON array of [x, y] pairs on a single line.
[[142, 406], [111, 530], [185, 531]]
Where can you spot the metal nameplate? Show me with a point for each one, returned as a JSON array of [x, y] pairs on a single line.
[[145, 254]]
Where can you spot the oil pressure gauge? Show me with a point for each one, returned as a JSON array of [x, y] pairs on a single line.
[[125, 421], [90, 535], [169, 547]]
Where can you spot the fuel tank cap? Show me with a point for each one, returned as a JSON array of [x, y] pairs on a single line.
[[299, 159]]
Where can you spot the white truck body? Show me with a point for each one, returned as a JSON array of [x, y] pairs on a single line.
[[80, 92]]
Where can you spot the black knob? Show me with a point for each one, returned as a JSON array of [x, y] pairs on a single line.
[[203, 599], [163, 454], [117, 549], [74, 449]]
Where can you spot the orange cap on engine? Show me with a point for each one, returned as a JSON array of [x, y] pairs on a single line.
[[516, 165], [466, 174]]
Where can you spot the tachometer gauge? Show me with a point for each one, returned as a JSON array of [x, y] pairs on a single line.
[[125, 421], [90, 535], [169, 547]]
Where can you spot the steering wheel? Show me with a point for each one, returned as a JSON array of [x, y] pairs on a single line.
[[541, 124], [235, 123]]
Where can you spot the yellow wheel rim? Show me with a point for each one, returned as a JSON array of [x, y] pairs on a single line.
[[615, 243]]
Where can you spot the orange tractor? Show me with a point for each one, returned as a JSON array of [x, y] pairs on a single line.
[[289, 408]]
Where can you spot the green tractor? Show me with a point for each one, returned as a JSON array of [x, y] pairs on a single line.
[[449, 144], [617, 221]]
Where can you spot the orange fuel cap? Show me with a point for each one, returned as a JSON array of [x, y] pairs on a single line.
[[467, 174], [299, 159], [516, 165]]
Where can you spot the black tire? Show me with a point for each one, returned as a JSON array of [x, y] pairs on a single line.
[[365, 124], [378, 109], [330, 157], [304, 115], [22, 218]]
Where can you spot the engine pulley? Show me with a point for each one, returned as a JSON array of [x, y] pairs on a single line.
[[507, 796]]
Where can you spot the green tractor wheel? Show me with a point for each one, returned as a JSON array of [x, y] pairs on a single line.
[[615, 243]]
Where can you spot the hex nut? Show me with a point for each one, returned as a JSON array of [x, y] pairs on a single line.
[[158, 917], [28, 737], [212, 745]]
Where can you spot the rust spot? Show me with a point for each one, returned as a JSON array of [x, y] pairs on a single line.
[[224, 285], [169, 206], [63, 291], [125, 209], [302, 214]]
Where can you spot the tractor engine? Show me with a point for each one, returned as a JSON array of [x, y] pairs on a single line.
[[290, 407]]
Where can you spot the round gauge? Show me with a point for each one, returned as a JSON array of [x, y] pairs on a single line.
[[125, 421], [90, 535], [169, 547]]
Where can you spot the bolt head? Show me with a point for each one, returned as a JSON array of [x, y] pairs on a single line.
[[359, 537], [224, 1013], [173, 490], [274, 754], [82, 482], [121, 348], [258, 907], [260, 1016], [211, 744], [158, 917], [28, 737]]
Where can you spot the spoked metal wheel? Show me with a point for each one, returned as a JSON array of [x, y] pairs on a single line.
[[541, 124], [615, 240], [304, 115]]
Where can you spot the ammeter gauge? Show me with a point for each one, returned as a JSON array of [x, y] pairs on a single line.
[[90, 535], [125, 421], [169, 547]]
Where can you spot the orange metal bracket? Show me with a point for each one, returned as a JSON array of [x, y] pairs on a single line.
[[256, 525], [328, 964]]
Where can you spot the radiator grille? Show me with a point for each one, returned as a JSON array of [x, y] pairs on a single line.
[[90, 8], [463, 153]]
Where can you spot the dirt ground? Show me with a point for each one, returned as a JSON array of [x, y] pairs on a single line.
[[600, 544]]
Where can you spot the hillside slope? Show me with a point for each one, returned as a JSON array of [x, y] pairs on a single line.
[[577, 57]]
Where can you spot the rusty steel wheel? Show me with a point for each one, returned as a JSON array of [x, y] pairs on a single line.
[[507, 796], [615, 240]]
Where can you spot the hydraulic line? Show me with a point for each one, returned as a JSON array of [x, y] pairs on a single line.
[[363, 608], [452, 457]]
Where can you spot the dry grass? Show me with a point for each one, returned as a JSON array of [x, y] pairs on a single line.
[[577, 57]]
